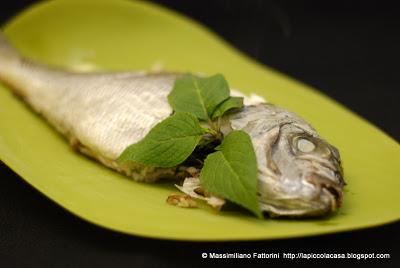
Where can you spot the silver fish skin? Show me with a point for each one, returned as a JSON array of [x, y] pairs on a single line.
[[101, 114]]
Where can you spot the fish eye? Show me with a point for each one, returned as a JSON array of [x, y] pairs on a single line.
[[304, 145]]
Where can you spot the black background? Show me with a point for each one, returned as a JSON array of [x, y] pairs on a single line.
[[347, 49]]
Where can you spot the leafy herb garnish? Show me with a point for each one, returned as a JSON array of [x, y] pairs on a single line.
[[230, 170], [168, 144], [228, 104], [198, 96]]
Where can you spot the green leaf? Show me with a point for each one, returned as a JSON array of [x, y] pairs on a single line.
[[198, 96], [168, 144], [228, 104], [232, 171]]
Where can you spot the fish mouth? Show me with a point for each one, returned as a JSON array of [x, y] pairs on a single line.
[[328, 191], [327, 197]]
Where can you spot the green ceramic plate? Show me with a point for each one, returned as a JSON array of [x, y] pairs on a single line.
[[124, 35]]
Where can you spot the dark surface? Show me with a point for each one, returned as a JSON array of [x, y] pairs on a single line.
[[348, 51]]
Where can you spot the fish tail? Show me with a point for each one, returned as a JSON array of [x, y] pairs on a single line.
[[7, 53], [9, 62]]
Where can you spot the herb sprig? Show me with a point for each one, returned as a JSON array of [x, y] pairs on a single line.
[[231, 170]]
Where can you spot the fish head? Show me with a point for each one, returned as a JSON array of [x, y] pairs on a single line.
[[300, 174]]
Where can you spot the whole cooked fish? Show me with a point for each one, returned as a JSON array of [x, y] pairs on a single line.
[[101, 114]]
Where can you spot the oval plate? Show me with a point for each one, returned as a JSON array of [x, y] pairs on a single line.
[[123, 35]]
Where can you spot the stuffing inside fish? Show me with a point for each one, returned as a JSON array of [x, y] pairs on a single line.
[[299, 173]]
